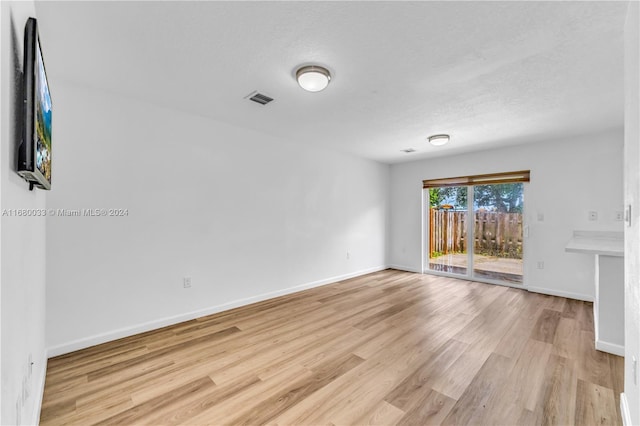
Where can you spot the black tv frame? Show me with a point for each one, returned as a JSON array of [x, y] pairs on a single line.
[[27, 150]]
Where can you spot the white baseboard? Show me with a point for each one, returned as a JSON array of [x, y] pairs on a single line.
[[611, 348], [163, 322], [567, 294], [596, 322], [37, 406], [405, 268], [624, 410]]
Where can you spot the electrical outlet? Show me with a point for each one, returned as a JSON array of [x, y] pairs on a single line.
[[634, 370], [186, 282], [593, 215], [540, 217], [540, 265], [30, 366], [619, 216], [348, 255]]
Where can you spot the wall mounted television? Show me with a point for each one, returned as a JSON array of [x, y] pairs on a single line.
[[34, 152]]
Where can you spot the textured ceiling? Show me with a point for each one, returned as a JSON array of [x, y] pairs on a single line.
[[487, 73]]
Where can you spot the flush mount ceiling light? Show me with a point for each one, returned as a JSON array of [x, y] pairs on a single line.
[[438, 140], [313, 78]]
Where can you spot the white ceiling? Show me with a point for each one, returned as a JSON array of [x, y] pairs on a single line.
[[487, 73]]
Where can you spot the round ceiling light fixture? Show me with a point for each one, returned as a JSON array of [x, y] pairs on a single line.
[[438, 140], [313, 78]]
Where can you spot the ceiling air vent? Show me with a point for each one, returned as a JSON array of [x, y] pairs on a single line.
[[260, 98]]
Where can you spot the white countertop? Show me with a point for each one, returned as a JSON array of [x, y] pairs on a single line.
[[604, 243]]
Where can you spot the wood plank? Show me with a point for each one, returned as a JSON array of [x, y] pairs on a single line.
[[226, 410], [522, 385], [430, 409], [412, 388], [592, 365], [386, 348], [172, 397], [545, 328], [571, 308], [276, 404], [191, 409], [595, 405], [387, 313], [564, 341], [556, 303], [472, 403], [556, 404], [383, 415]]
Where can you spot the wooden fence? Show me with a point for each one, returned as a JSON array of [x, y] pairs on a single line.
[[496, 234]]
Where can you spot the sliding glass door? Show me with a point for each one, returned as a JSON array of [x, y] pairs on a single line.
[[448, 229], [475, 231], [498, 231]]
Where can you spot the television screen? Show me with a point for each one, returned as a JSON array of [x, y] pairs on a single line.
[[34, 153], [43, 118]]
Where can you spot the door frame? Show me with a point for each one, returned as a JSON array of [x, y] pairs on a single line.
[[471, 237]]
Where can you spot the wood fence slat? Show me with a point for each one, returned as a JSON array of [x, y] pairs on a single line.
[[496, 233]]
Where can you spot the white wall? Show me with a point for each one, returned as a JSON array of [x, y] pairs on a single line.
[[632, 197], [2, 61], [247, 216], [23, 243], [568, 179]]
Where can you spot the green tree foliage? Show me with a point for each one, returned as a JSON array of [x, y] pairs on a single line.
[[435, 196], [506, 197], [456, 195]]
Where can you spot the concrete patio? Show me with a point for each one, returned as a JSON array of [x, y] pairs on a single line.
[[484, 266]]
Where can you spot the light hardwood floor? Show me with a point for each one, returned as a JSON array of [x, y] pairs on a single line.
[[386, 348]]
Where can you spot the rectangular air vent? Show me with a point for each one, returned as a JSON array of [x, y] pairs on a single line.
[[260, 98]]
